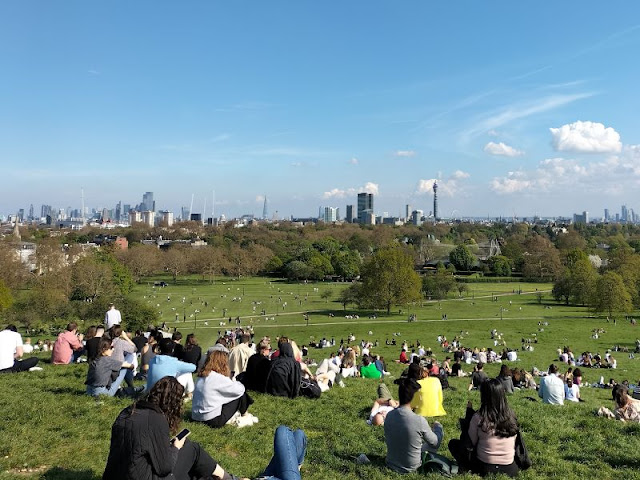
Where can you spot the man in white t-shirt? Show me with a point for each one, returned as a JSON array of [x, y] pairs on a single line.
[[11, 351], [112, 317]]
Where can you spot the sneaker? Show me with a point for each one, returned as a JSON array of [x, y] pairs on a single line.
[[254, 419], [234, 419], [244, 421], [35, 369]]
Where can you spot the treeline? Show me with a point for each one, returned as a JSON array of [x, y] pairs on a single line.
[[69, 283]]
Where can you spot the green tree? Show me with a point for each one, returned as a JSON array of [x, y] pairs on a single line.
[[297, 270], [351, 294], [582, 279], [462, 258], [500, 265], [326, 295], [541, 260], [6, 299], [91, 279], [388, 278], [347, 264], [439, 284], [611, 295]]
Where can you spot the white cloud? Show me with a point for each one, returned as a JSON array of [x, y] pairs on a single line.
[[405, 153], [502, 149], [493, 133], [353, 161], [369, 187], [259, 198], [448, 186], [586, 137], [459, 174]]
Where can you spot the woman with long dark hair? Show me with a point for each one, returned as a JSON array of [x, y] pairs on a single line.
[[142, 447], [192, 351], [491, 431]]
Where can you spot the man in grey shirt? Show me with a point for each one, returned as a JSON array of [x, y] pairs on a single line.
[[408, 435]]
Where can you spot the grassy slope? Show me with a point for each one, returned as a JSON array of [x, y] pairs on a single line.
[[49, 424]]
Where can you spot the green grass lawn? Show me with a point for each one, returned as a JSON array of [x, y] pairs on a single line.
[[50, 427]]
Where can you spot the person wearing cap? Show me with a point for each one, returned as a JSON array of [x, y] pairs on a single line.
[[112, 317], [407, 434]]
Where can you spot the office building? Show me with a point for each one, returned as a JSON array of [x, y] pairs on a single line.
[[349, 218], [148, 203], [331, 214], [584, 218], [148, 218], [167, 218], [365, 208]]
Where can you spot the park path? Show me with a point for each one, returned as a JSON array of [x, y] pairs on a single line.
[[363, 321]]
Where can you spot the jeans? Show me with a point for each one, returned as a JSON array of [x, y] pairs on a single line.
[[115, 385], [289, 448]]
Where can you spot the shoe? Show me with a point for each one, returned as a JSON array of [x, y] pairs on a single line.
[[254, 419], [341, 383], [35, 369], [234, 419], [244, 421]]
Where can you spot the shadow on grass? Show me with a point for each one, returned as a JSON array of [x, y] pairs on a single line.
[[615, 461], [58, 473], [377, 460], [67, 390]]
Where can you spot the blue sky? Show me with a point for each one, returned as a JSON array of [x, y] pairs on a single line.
[[515, 109]]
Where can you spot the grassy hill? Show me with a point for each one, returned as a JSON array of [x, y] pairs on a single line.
[[52, 429]]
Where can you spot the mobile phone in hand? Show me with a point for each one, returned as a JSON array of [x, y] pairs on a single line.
[[183, 434]]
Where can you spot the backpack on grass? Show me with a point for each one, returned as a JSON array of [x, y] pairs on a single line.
[[434, 463]]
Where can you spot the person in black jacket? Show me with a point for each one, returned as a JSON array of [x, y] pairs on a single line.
[[258, 366], [285, 374], [141, 446]]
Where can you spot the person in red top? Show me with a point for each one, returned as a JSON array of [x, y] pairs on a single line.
[[403, 356], [68, 346]]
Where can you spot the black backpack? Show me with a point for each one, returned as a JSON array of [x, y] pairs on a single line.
[[310, 388]]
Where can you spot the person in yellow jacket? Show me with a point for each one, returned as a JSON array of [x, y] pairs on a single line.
[[427, 401]]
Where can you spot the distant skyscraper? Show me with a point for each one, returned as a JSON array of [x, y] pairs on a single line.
[[606, 214], [624, 214], [265, 212], [435, 201], [365, 206], [330, 214], [118, 213], [407, 211], [148, 203], [349, 217], [31, 212], [167, 218]]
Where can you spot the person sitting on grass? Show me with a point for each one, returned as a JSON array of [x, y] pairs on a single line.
[[142, 447], [165, 364], [68, 347], [551, 387], [217, 398], [490, 432], [368, 368], [427, 402], [106, 373], [92, 342], [571, 391], [258, 366], [504, 377], [192, 351], [285, 374], [408, 435], [124, 350], [625, 411], [478, 377], [11, 352]]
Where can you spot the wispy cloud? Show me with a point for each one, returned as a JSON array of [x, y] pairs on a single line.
[[517, 111], [354, 161], [531, 73], [93, 72], [404, 153]]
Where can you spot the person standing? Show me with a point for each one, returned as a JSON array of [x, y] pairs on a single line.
[[11, 351], [112, 317]]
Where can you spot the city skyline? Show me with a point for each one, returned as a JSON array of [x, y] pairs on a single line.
[[513, 110]]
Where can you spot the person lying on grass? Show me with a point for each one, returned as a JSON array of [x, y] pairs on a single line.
[[626, 408], [408, 435], [142, 447], [107, 373], [217, 398]]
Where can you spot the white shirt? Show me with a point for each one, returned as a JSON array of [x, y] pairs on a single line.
[[551, 390], [112, 317], [512, 356], [9, 341], [27, 348]]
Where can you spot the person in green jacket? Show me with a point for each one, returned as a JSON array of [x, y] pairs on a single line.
[[368, 368]]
